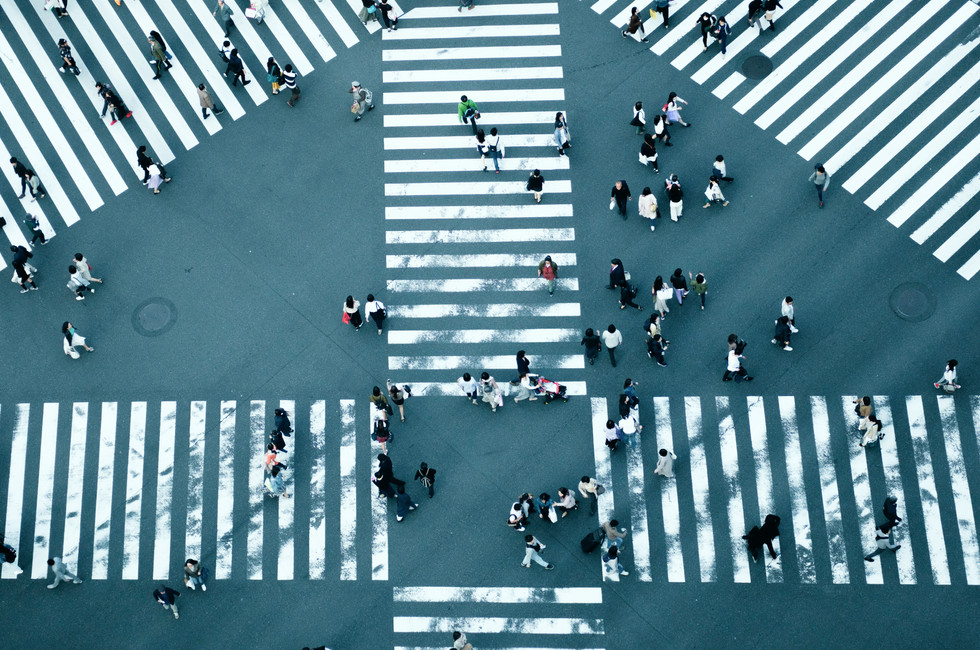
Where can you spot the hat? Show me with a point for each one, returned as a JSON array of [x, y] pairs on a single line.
[[355, 84]]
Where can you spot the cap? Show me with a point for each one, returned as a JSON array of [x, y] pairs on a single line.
[[355, 84]]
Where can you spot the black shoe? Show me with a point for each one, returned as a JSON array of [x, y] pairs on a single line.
[[157, 77], [245, 83], [169, 65], [219, 111]]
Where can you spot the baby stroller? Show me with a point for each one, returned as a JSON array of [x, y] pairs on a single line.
[[552, 390]]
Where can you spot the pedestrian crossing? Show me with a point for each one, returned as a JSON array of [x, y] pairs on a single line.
[[846, 90], [52, 120], [476, 282]]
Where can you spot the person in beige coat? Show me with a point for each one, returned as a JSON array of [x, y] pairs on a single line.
[[207, 102], [84, 269], [665, 466]]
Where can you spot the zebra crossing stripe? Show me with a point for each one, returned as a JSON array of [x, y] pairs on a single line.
[[829, 491], [473, 31], [927, 490], [453, 165], [475, 261], [603, 471], [226, 491], [497, 625], [729, 465], [699, 482], [477, 284], [393, 237], [640, 531], [15, 483], [946, 212], [451, 389], [103, 490], [601, 5], [533, 335], [379, 520], [668, 495], [797, 491], [961, 489], [483, 11], [165, 488], [45, 491], [338, 23], [195, 470], [317, 39], [134, 491], [286, 515], [862, 488], [674, 37], [348, 491], [971, 267], [451, 97], [417, 120], [318, 491], [459, 188], [468, 53], [471, 74], [893, 480], [962, 235], [532, 211], [76, 479], [495, 362], [542, 595], [728, 85], [466, 142], [763, 478], [256, 488], [492, 310]]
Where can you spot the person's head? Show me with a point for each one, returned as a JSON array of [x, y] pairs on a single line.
[[226, 44], [547, 258], [349, 302], [271, 447], [663, 452], [634, 10], [619, 185], [611, 328], [733, 338], [658, 283], [370, 297], [789, 300], [719, 158], [423, 466], [589, 332], [280, 412], [637, 105], [699, 277], [65, 327], [648, 138], [51, 563], [558, 115], [466, 376], [463, 99], [562, 492], [401, 489], [784, 319], [376, 391], [62, 42], [674, 179], [885, 527], [521, 354], [654, 318], [480, 135], [72, 268], [891, 500], [493, 131], [586, 479], [516, 507], [721, 20], [529, 538], [613, 551], [678, 271], [616, 261], [382, 458], [355, 85], [271, 60], [866, 400], [713, 180], [873, 419], [537, 172], [456, 635], [657, 338], [141, 148], [610, 424], [234, 52], [671, 96], [275, 470], [646, 192], [190, 561], [627, 383], [819, 169], [544, 496], [201, 86], [98, 85], [484, 375], [288, 68], [952, 363]]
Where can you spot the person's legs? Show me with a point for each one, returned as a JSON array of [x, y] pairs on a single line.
[[537, 558], [612, 355], [621, 204], [819, 193], [495, 155], [877, 551], [204, 112]]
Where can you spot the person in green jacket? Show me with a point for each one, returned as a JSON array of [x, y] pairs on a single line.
[[468, 111], [159, 56]]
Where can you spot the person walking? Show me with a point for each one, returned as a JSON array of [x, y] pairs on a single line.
[[379, 401], [699, 284], [277, 441], [482, 147], [352, 313], [610, 561], [620, 196], [755, 12], [639, 117], [427, 476], [821, 180], [404, 504], [459, 639], [259, 6], [532, 550], [673, 109], [34, 186], [225, 51], [675, 196], [787, 310], [735, 369], [653, 327], [9, 555], [617, 274], [159, 56], [636, 23], [648, 152], [469, 386], [566, 502], [376, 311], [613, 435], [64, 50], [884, 540], [781, 336], [368, 12], [283, 425], [35, 226], [535, 183], [548, 270], [948, 381], [84, 268], [647, 205], [112, 103], [662, 7], [890, 510], [656, 349], [873, 433], [496, 149], [398, 395], [863, 410], [388, 15], [465, 3], [629, 426], [561, 133], [679, 282], [590, 490], [593, 344], [517, 519], [523, 365], [145, 162], [168, 598], [363, 100], [661, 294], [713, 194], [273, 74], [224, 13], [271, 460], [626, 295], [61, 573], [23, 268], [289, 79], [770, 7], [665, 464], [78, 284], [274, 483], [207, 103], [194, 575], [722, 32], [612, 338], [757, 537], [545, 505], [468, 112], [237, 67], [491, 392], [21, 172], [614, 534], [660, 129], [707, 24], [719, 170]]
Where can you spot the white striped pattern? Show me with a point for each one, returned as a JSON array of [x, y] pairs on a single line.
[[467, 53]]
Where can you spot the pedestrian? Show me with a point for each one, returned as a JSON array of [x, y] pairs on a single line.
[[545, 505], [61, 573], [84, 268], [9, 554], [194, 575], [404, 504], [713, 194], [352, 313], [673, 109], [788, 311], [465, 3], [22, 268], [612, 338], [535, 183], [492, 394], [363, 100], [532, 550], [719, 170], [21, 172], [782, 334], [821, 180], [626, 295], [289, 79], [770, 6], [459, 639], [661, 294], [259, 6], [722, 32], [468, 112], [639, 117], [277, 441], [495, 148], [636, 23], [469, 386], [873, 433], [890, 509], [566, 502], [482, 147], [590, 490], [34, 186], [656, 349], [224, 14], [561, 133], [665, 464], [146, 162], [523, 365], [617, 274], [619, 197], [648, 206], [78, 284], [388, 14], [735, 369], [630, 427], [112, 103], [653, 327], [699, 284], [64, 49], [755, 11], [648, 152], [948, 381], [675, 196], [548, 270], [225, 51], [614, 534], [663, 8], [427, 476], [207, 102], [58, 7], [679, 282], [168, 598], [613, 435], [274, 483], [610, 561], [660, 129], [237, 67], [884, 540], [376, 311], [368, 12], [271, 460], [398, 395], [517, 519], [273, 74], [159, 56], [283, 425], [863, 410], [707, 24], [379, 401], [593, 344], [35, 226], [759, 536], [385, 491]]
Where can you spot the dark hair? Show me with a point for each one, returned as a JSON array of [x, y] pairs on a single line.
[[485, 375], [589, 332], [678, 271], [613, 522], [456, 635], [275, 470], [350, 301], [671, 96], [72, 268], [271, 447], [611, 328], [784, 319], [466, 376], [375, 391], [141, 148], [280, 412], [463, 98], [663, 452], [234, 51], [648, 138], [699, 277], [586, 479], [201, 86], [657, 337], [423, 466], [480, 135], [819, 168], [658, 283], [613, 551], [79, 257], [610, 423], [638, 105], [537, 172], [719, 158], [646, 191], [493, 131], [544, 496], [528, 538], [866, 400], [520, 354], [733, 338], [952, 363], [289, 67], [370, 296], [789, 299], [627, 383]]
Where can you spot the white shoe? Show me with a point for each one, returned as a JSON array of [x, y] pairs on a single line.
[[652, 228], [793, 329], [787, 349], [190, 585]]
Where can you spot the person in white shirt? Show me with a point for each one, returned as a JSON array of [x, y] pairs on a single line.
[[610, 560], [948, 381], [788, 312], [735, 369], [566, 501], [469, 387], [719, 171], [613, 339], [459, 641], [639, 118], [375, 310], [628, 425], [589, 489], [665, 465]]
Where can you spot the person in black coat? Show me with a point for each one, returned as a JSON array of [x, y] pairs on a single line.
[[168, 598], [617, 275], [428, 477], [782, 334], [621, 195], [523, 364], [21, 255], [593, 344], [891, 510], [21, 171], [384, 467], [282, 422], [759, 536]]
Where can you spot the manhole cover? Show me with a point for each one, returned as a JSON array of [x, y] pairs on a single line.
[[757, 66], [912, 301], [154, 317]]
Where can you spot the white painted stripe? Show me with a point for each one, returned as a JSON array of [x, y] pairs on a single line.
[[502, 310], [348, 491], [864, 506], [763, 478], [451, 97], [533, 211], [103, 492], [454, 165], [946, 212], [603, 468], [828, 490], [15, 484], [286, 512], [318, 491], [416, 120], [532, 335], [284, 41], [736, 514], [451, 389], [316, 38], [956, 241], [965, 521], [725, 88], [467, 189], [668, 495], [478, 236], [76, 481], [803, 52], [379, 518], [467, 285], [471, 74], [256, 488], [483, 11], [12, 229], [897, 35], [473, 31], [932, 520], [559, 595], [699, 483], [497, 362], [696, 48], [134, 492], [971, 267], [466, 142], [639, 527], [893, 482], [883, 117], [45, 491], [797, 491], [470, 53], [497, 625], [600, 6], [789, 34], [165, 489], [401, 647], [489, 260], [338, 23], [226, 491], [195, 477]]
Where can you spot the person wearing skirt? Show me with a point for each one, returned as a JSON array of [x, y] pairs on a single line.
[[73, 338], [713, 193], [352, 313]]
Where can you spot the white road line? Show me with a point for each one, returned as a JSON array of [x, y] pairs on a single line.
[[489, 260], [728, 85], [502, 310], [226, 491], [535, 211], [542, 595], [103, 491], [316, 38], [532, 335], [603, 463], [763, 478], [862, 488], [956, 241], [465, 142], [497, 362], [797, 491], [472, 31], [416, 120], [134, 492], [451, 389], [699, 483], [256, 488], [461, 188], [639, 528], [668, 495], [828, 491], [497, 625], [318, 490], [286, 513], [803, 52], [15, 484], [789, 34], [451, 97], [736, 513], [468, 285], [601, 5], [893, 481], [348, 491], [478, 236], [932, 520], [483, 11], [45, 491], [195, 475], [471, 74], [965, 521], [76, 481], [470, 53], [338, 23], [379, 518], [971, 267], [467, 165], [947, 211], [165, 489]]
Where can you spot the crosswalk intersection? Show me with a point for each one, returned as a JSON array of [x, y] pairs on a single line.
[[906, 142]]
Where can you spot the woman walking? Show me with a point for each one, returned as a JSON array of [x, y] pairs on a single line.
[[376, 311], [648, 206], [73, 338], [548, 270], [352, 313], [274, 483], [821, 180], [273, 74], [673, 109], [483, 148], [398, 395], [194, 575], [707, 23], [496, 148], [492, 394], [382, 433], [873, 433], [699, 285], [948, 381], [593, 344], [713, 194], [648, 152], [561, 133], [535, 183], [636, 23], [639, 118], [660, 129], [661, 294]]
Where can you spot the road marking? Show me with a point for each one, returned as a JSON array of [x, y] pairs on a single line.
[[15, 484], [483, 11], [763, 479], [956, 241], [862, 489], [457, 165], [699, 483], [947, 211], [195, 475], [469, 53], [226, 491], [505, 260], [379, 518], [76, 481], [542, 595], [472, 31], [470, 285], [893, 481], [498, 310], [797, 491], [165, 489], [736, 514], [961, 489], [338, 23], [535, 211], [532, 335], [603, 471], [103, 491], [497, 362], [256, 488], [451, 389], [668, 495], [496, 625], [478, 236], [416, 120], [318, 492], [829, 492], [465, 142], [317, 39], [971, 267], [471, 74], [348, 491], [286, 513], [459, 188], [932, 520], [639, 527], [45, 491], [451, 97], [134, 491]]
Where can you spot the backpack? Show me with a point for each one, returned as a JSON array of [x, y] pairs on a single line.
[[368, 96]]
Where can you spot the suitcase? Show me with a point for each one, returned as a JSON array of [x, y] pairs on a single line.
[[592, 541]]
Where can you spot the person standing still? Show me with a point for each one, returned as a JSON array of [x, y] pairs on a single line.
[[589, 489], [61, 573], [224, 14], [376, 311], [363, 100], [620, 194], [469, 386], [168, 598], [207, 102], [427, 476], [289, 78], [467, 110], [612, 338], [821, 180], [549, 271]]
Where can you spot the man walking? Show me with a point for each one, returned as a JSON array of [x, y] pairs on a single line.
[[656, 349], [35, 225], [207, 102], [145, 162], [237, 67], [404, 504], [620, 194], [467, 110], [427, 476], [64, 49], [549, 271], [290, 81], [891, 510], [159, 56], [617, 275], [224, 14], [23, 268], [612, 338], [532, 548], [363, 100], [782, 334], [675, 195], [61, 573], [735, 369], [787, 310], [885, 541], [21, 171], [168, 598]]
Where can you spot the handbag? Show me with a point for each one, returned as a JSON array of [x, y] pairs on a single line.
[[552, 515], [612, 204], [599, 489], [353, 107], [346, 318], [389, 410], [271, 78]]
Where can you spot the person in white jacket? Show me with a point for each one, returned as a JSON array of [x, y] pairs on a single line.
[[648, 206], [787, 310]]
